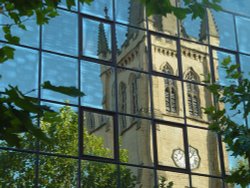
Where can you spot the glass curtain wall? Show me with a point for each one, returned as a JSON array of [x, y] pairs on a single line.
[[141, 122]]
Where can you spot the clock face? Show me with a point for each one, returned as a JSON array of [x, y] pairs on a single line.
[[178, 157]]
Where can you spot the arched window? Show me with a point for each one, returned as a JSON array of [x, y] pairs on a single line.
[[193, 94], [170, 90], [134, 94], [123, 103]]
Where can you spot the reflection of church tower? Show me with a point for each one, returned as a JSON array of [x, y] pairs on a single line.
[[134, 96]]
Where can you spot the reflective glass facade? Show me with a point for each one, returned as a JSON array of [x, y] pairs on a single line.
[[141, 122]]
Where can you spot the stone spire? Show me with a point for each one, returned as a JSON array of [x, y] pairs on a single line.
[[213, 33], [136, 16], [103, 48]]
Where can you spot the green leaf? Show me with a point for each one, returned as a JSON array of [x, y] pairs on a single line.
[[6, 53], [71, 91]]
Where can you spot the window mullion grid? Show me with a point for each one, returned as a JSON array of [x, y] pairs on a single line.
[[185, 134], [116, 116], [153, 122], [220, 146], [80, 110]]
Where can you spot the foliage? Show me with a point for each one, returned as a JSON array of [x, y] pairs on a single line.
[[235, 135], [163, 183], [19, 11], [18, 112], [17, 170]]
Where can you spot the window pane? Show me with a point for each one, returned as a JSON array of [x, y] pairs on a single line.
[[168, 99], [164, 24], [135, 142], [196, 98], [170, 148], [60, 71], [243, 29], [103, 9], [136, 177], [130, 12], [133, 93], [22, 71], [63, 4], [96, 39], [97, 174], [29, 37], [203, 152], [164, 55], [206, 182], [220, 72], [241, 7], [231, 162], [98, 134], [179, 180], [17, 169], [57, 172], [65, 40], [194, 29], [62, 127], [244, 63], [222, 34], [195, 59], [131, 48], [98, 85]]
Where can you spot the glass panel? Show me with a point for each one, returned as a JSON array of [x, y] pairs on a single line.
[[241, 7], [220, 73], [245, 68], [60, 71], [195, 61], [21, 71], [243, 29], [194, 29], [98, 135], [164, 24], [65, 40], [235, 115], [96, 174], [103, 9], [62, 127], [206, 182], [133, 93], [170, 148], [203, 152], [244, 63], [96, 39], [130, 12], [233, 163], [135, 141], [96, 83], [196, 98], [178, 180], [57, 172], [63, 4], [168, 100], [136, 177], [131, 48], [222, 34], [17, 169], [29, 37], [164, 55]]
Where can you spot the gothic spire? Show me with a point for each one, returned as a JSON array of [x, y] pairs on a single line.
[[102, 39], [209, 21]]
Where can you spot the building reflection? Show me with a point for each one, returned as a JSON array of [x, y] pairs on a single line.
[[178, 96]]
